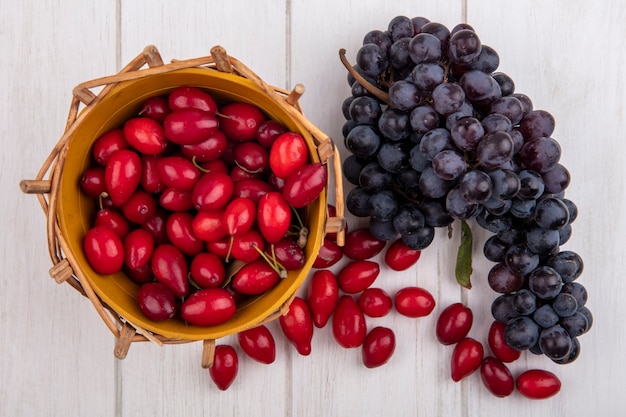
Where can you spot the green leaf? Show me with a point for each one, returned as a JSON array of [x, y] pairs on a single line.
[[463, 269]]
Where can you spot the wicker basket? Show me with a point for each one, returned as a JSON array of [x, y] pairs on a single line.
[[69, 212]]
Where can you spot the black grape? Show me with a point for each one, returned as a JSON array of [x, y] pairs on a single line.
[[437, 133]]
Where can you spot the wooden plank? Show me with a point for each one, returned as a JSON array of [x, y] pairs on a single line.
[[257, 38], [414, 381], [56, 354], [573, 75], [187, 29]]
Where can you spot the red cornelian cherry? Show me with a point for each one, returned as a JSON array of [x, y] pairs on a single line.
[[273, 216], [288, 153], [225, 366], [466, 358], [92, 182], [538, 384], [268, 131], [330, 253], [141, 275], [274, 181], [240, 121], [297, 325], [399, 256], [207, 270], [179, 229], [258, 343], [414, 302], [189, 126], [238, 173], [155, 108], [156, 226], [252, 188], [220, 247], [212, 192], [497, 344], [287, 252], [104, 250], [322, 296], [214, 165], [156, 301], [114, 220], [360, 244], [356, 276], [178, 172], [170, 268], [208, 150], [375, 302], [378, 347], [138, 247], [150, 179], [305, 185], [122, 175], [209, 225], [140, 207], [186, 97], [107, 143], [176, 200], [255, 277], [497, 377], [145, 135], [239, 215], [208, 307], [349, 327], [247, 246], [453, 323], [252, 157]]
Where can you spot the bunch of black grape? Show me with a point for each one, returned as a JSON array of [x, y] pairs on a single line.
[[436, 134]]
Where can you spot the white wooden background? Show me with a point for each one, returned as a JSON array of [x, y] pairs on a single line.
[[56, 356]]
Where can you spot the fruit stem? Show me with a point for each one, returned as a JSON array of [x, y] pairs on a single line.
[[378, 93], [230, 247], [197, 165], [193, 283], [303, 237], [276, 266], [446, 72], [295, 212], [101, 197], [225, 116]]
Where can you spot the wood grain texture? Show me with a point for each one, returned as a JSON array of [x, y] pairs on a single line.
[[188, 29], [55, 353]]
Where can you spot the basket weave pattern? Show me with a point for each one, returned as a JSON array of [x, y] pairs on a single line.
[[46, 184]]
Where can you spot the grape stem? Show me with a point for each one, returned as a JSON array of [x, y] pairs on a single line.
[[376, 92]]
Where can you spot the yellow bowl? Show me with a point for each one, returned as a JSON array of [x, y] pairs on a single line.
[[76, 211]]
